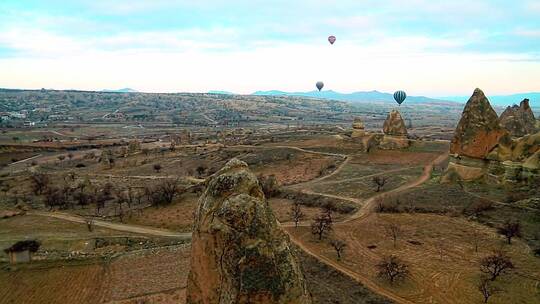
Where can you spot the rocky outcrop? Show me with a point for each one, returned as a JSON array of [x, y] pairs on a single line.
[[395, 132], [239, 253], [358, 124], [482, 149], [515, 150], [388, 142], [519, 120], [394, 125], [478, 130], [358, 128]]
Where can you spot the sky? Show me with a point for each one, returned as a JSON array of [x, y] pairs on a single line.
[[425, 47]]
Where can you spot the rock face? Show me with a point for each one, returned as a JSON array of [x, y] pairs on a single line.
[[394, 125], [239, 253], [478, 130], [483, 150], [358, 124], [389, 142], [358, 128], [519, 120]]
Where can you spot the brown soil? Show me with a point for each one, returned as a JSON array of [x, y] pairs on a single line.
[[450, 279]]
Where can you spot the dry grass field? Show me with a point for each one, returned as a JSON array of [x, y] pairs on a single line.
[[54, 234], [52, 282], [440, 253], [177, 216]]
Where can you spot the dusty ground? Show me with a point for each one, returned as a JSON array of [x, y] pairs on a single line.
[[159, 273], [176, 217], [52, 283], [54, 234], [282, 208], [450, 279]]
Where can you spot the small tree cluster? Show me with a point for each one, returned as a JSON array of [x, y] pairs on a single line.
[[379, 182], [40, 182], [164, 193]]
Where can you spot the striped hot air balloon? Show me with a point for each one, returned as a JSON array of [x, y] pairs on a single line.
[[400, 96], [332, 39], [319, 85]]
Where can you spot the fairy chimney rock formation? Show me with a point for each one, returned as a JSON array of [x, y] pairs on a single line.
[[358, 128], [358, 124], [394, 125], [478, 130], [239, 254], [519, 120]]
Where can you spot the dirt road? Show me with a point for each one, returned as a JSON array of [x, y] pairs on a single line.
[[367, 209], [292, 148], [369, 204], [353, 275], [115, 226]]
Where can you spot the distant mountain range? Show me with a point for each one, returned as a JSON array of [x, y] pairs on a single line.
[[124, 90], [504, 100], [220, 92], [369, 96]]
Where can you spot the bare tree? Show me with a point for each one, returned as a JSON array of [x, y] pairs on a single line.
[[327, 211], [339, 247], [164, 193], [392, 268], [200, 170], [487, 289], [89, 224], [169, 190], [394, 231], [296, 213], [440, 247], [496, 264], [111, 160], [321, 226], [510, 229], [81, 195], [40, 182], [475, 239], [379, 182], [121, 198]]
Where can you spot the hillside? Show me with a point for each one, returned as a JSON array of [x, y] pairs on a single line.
[[355, 97]]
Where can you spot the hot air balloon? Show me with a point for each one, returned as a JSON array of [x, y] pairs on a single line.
[[332, 39], [319, 85], [400, 96]]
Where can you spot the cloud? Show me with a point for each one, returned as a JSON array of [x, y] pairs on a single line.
[[528, 33], [165, 45]]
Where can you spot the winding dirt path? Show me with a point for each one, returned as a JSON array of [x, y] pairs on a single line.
[[352, 274], [292, 148], [367, 208], [114, 226], [369, 204]]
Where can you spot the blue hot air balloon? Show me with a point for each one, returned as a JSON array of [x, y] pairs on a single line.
[[319, 85], [400, 96]]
